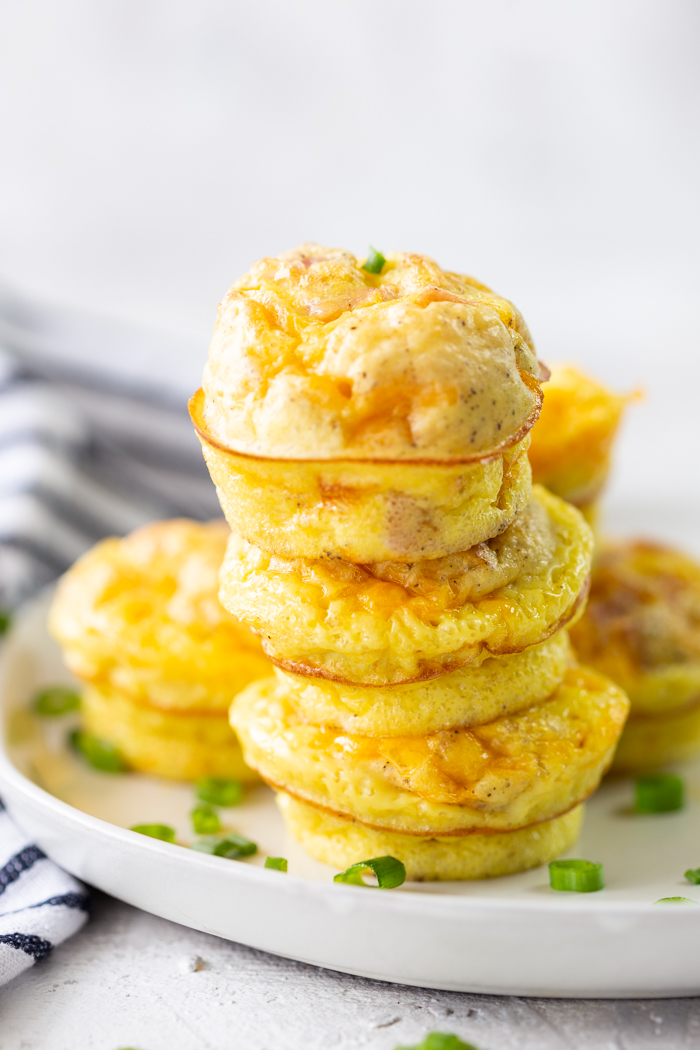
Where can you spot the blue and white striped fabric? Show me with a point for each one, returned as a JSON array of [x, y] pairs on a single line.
[[40, 905], [95, 439]]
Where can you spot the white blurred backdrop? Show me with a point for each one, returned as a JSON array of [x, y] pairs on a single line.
[[151, 149]]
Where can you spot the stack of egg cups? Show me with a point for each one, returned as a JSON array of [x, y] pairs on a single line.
[[141, 626], [410, 586]]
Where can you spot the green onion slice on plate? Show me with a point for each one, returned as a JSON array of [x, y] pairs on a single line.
[[675, 900], [219, 791], [693, 875], [156, 831], [578, 876], [205, 821], [440, 1041], [5, 621], [56, 700], [390, 872], [99, 753], [659, 793], [276, 863], [231, 846], [375, 261]]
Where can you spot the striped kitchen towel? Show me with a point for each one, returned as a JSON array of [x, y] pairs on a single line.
[[40, 905], [95, 438]]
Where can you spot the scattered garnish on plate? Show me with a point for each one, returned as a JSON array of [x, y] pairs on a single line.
[[693, 875], [659, 793], [231, 846], [205, 821], [276, 863], [99, 753], [440, 1041], [375, 261], [390, 872], [56, 700], [577, 876], [156, 831], [219, 791], [675, 900], [5, 621]]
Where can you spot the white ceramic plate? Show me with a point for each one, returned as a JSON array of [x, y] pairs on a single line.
[[512, 935]]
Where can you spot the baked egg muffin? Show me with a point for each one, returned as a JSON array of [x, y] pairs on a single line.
[[177, 744], [500, 776], [389, 622], [141, 614], [642, 628], [571, 445], [367, 415], [490, 687], [140, 624], [340, 842]]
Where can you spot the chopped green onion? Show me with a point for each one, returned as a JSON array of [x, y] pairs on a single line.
[[675, 900], [56, 700], [99, 753], [660, 793], [578, 876], [693, 875], [390, 872], [156, 831], [231, 846], [205, 821], [375, 261], [276, 863], [219, 791], [440, 1041], [5, 621]]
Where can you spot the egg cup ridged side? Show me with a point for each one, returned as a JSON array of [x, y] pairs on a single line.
[[179, 745], [366, 510], [351, 624], [511, 773], [340, 842], [491, 687]]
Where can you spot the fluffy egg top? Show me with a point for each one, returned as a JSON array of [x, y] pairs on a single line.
[[313, 357]]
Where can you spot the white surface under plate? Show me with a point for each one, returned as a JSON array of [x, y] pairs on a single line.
[[511, 935]]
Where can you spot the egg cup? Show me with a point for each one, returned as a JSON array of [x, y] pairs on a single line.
[[341, 842], [386, 624], [366, 510], [178, 745], [491, 687], [508, 774]]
